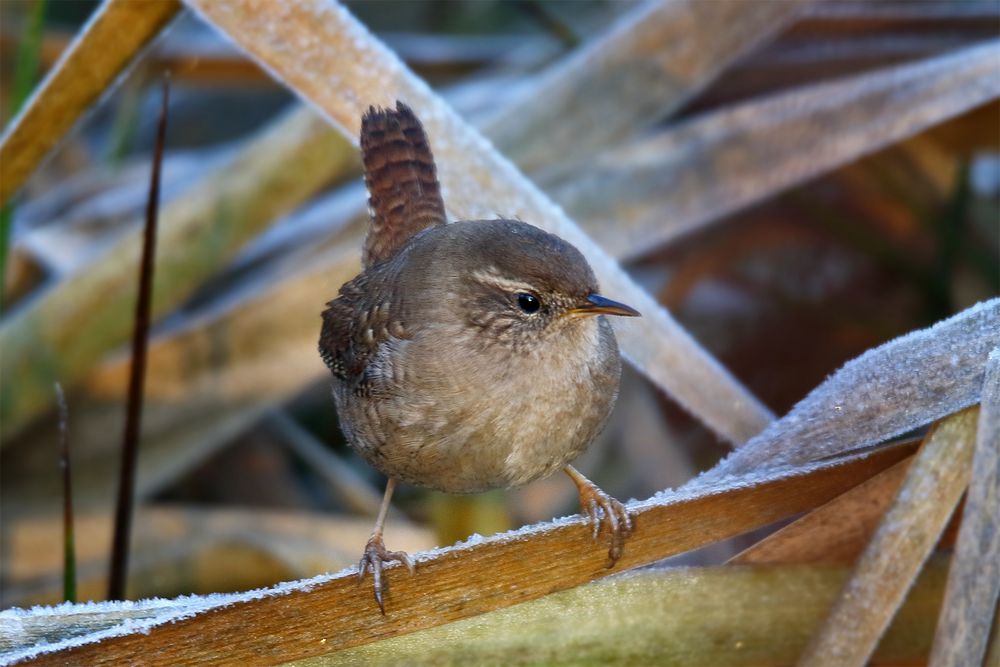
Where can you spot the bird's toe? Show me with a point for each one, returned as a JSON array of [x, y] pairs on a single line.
[[374, 558]]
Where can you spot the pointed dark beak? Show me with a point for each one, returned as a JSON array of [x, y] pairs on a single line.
[[598, 305]]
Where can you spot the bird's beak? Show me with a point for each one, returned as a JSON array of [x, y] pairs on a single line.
[[598, 305]]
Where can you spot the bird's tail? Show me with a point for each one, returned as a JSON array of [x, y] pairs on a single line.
[[404, 194]]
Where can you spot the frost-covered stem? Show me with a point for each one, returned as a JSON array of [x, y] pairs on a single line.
[[974, 577], [105, 46], [331, 612], [890, 564], [904, 384]]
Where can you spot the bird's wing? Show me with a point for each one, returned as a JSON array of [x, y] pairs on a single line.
[[355, 325], [404, 194]]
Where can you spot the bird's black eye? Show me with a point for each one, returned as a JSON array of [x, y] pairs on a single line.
[[529, 303]]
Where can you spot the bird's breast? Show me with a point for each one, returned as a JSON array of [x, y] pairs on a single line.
[[462, 417]]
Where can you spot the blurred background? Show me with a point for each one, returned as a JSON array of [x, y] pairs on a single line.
[[244, 477]]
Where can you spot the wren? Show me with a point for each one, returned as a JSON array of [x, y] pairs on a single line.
[[470, 355]]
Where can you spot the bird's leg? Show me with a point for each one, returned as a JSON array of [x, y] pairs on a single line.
[[376, 555], [603, 510]]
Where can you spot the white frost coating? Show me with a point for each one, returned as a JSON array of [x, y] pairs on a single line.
[[710, 484], [345, 70], [16, 622], [899, 386]]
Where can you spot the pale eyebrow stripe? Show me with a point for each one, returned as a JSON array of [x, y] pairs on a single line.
[[490, 278]]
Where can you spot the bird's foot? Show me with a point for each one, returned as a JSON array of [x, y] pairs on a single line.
[[375, 556], [605, 511]]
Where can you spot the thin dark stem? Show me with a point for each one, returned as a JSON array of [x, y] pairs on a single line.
[[133, 416], [69, 540]]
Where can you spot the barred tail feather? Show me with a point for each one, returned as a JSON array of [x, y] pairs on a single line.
[[404, 194]]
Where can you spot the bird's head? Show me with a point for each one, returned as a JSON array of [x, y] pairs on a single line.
[[516, 285]]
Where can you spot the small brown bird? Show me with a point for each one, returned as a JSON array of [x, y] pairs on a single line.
[[466, 356]]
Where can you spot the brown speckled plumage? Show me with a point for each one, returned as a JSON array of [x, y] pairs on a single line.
[[466, 356]]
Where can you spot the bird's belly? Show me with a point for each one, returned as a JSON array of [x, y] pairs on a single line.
[[477, 444]]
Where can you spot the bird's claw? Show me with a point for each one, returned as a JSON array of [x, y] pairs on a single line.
[[374, 557], [604, 510]]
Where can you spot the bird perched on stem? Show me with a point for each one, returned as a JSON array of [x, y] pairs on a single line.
[[466, 356]]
